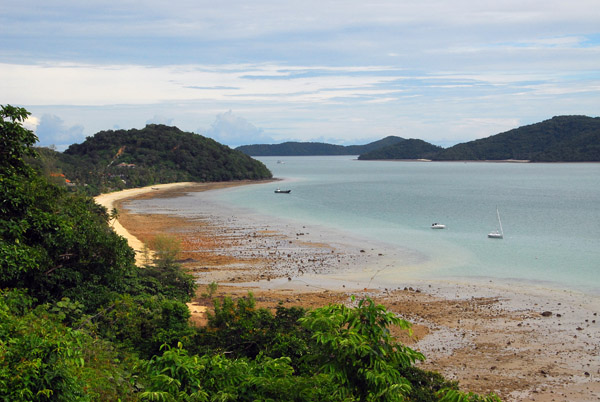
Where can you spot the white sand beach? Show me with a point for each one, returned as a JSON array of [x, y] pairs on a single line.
[[109, 200]]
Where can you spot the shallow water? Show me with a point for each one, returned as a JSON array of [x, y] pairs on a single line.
[[550, 214]]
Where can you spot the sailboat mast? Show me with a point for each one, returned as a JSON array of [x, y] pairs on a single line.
[[499, 222]]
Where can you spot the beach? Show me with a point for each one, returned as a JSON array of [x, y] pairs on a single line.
[[524, 343]]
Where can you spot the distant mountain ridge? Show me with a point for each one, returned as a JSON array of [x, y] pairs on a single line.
[[559, 139], [314, 148]]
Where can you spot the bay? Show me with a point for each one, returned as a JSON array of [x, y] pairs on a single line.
[[550, 215]]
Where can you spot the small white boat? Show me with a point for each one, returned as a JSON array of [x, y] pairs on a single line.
[[497, 234], [438, 226]]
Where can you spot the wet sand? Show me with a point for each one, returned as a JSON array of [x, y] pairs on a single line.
[[525, 344]]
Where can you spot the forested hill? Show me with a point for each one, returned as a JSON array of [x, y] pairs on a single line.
[[560, 139], [408, 149], [154, 154], [314, 148]]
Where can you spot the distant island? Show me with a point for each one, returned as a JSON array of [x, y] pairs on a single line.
[[560, 139], [315, 148], [114, 160], [407, 149]]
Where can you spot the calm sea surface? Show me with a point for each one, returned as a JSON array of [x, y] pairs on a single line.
[[550, 214]]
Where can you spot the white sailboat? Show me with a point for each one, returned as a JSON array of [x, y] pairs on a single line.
[[497, 234]]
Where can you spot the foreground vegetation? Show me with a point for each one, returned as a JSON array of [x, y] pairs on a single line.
[[80, 322]]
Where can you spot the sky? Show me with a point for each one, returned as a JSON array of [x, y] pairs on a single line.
[[269, 71]]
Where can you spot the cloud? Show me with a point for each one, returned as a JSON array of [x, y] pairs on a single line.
[[158, 119], [233, 130], [52, 130], [31, 123], [300, 70]]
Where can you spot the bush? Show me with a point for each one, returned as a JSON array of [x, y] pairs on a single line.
[[143, 323], [41, 359], [240, 329]]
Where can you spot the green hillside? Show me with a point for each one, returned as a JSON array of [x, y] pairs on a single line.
[[314, 148], [154, 154], [408, 149], [560, 139]]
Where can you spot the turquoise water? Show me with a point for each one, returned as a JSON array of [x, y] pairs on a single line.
[[550, 214]]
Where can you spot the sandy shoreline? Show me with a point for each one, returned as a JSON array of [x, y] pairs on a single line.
[[488, 338], [109, 201]]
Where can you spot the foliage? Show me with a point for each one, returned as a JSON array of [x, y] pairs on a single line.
[[166, 249], [314, 148], [143, 323], [16, 142], [168, 280], [356, 347], [164, 275], [67, 311], [177, 376], [407, 149], [210, 290], [58, 244], [451, 395], [426, 385], [242, 330], [112, 160], [42, 359], [52, 242], [560, 139]]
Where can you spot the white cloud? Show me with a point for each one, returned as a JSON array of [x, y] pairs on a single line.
[[432, 69], [52, 130], [31, 123], [160, 119], [233, 130]]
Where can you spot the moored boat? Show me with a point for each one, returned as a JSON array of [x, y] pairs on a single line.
[[497, 234]]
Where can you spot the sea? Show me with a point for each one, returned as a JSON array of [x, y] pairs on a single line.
[[550, 215]]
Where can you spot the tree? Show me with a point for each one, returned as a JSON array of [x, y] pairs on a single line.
[[16, 142], [355, 346], [52, 242]]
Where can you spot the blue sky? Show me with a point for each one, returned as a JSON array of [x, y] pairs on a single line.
[[268, 71]]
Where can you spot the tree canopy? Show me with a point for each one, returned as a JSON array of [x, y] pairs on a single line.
[[121, 159], [314, 148], [560, 139], [408, 149]]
